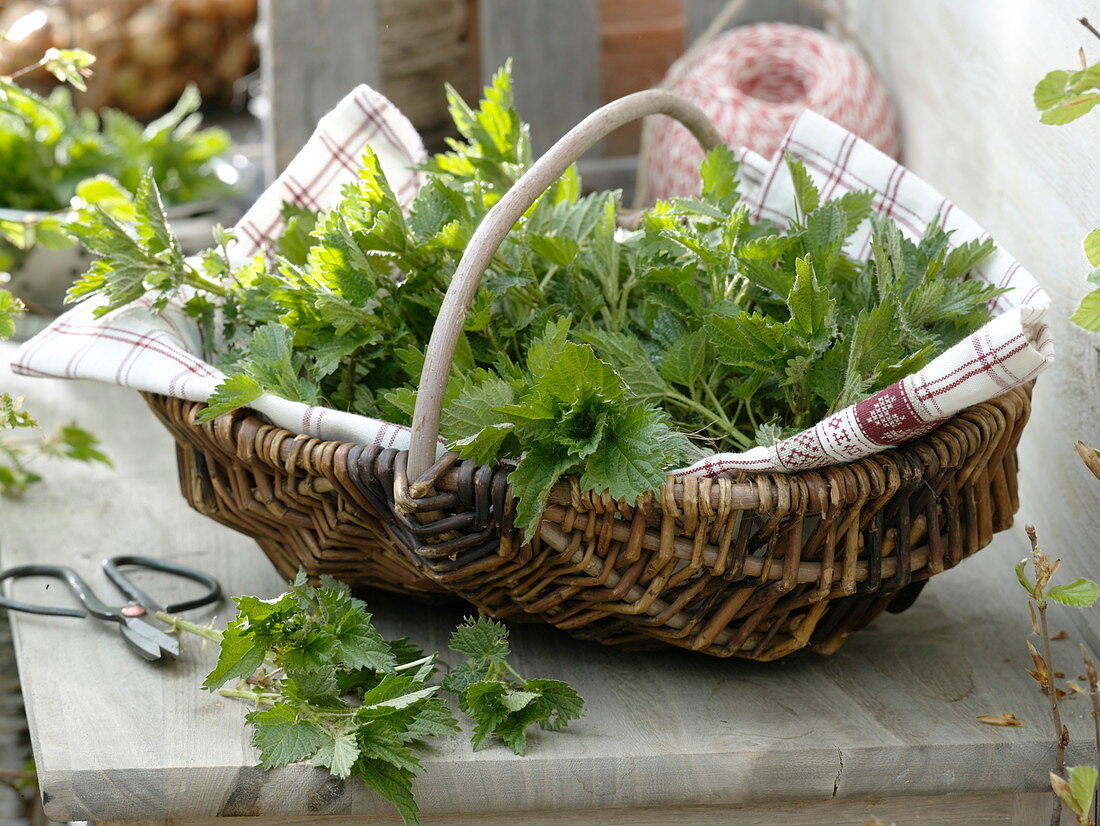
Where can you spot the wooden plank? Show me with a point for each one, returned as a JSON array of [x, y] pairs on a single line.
[[311, 55], [893, 712], [701, 12], [554, 47], [962, 86], [945, 810]]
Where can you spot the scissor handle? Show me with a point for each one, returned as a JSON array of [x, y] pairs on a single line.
[[123, 583], [80, 589]]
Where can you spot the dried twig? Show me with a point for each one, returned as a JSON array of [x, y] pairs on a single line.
[[1044, 665], [1084, 21], [1094, 695]]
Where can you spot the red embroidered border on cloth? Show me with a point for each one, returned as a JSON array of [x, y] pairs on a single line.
[[160, 353]]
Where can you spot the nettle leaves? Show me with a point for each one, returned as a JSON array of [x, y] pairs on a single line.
[[502, 703], [330, 690], [334, 692], [591, 348], [568, 410]]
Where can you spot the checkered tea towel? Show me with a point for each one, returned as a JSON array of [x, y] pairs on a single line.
[[162, 353]]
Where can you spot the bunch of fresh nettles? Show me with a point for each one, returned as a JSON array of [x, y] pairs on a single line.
[[590, 348], [330, 690]]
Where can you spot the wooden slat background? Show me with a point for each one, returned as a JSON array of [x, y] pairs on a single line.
[[962, 74], [311, 55]]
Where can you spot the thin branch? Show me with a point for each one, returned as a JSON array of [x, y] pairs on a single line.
[[1061, 733], [1094, 695], [1084, 21]]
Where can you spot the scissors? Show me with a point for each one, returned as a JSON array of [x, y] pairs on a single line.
[[137, 618]]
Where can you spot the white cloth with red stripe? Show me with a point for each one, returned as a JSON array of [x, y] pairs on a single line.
[[163, 353]]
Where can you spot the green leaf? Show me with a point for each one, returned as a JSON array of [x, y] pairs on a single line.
[[806, 195], [1077, 793], [481, 638], [531, 482], [484, 701], [1082, 784], [518, 700], [76, 443], [686, 360], [856, 207], [558, 702], [474, 407], [1092, 247], [749, 340], [811, 306], [107, 193], [337, 754], [69, 65], [240, 656], [359, 645], [826, 227], [1021, 577], [1081, 593], [630, 460], [719, 177], [1051, 89], [1070, 110], [1087, 314], [282, 737], [11, 308], [391, 783], [233, 393]]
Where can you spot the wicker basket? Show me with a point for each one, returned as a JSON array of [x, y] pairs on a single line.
[[760, 567]]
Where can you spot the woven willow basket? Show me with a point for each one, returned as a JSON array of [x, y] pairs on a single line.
[[760, 566]]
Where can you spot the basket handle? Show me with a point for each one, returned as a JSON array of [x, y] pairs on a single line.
[[495, 227]]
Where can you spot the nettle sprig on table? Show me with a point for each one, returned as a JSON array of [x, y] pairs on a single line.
[[331, 691], [610, 352]]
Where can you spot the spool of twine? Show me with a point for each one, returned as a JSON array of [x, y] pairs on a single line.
[[753, 82]]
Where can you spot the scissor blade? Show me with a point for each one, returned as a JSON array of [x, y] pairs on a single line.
[[148, 640]]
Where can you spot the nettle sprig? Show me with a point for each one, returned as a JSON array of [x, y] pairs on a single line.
[[502, 703], [1077, 788], [329, 690]]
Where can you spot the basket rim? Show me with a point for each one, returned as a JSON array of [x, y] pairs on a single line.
[[303, 455]]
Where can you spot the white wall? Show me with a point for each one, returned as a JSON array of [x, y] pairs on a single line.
[[961, 73]]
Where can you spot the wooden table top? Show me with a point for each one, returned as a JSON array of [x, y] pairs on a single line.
[[893, 713]]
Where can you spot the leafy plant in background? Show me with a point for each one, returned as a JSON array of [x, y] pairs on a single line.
[[589, 348], [329, 690], [53, 156], [22, 439], [1063, 96], [1077, 788], [23, 784]]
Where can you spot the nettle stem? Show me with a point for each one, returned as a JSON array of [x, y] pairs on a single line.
[[178, 624], [258, 697]]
